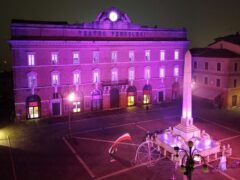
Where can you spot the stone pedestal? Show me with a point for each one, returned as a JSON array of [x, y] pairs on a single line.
[[186, 132]]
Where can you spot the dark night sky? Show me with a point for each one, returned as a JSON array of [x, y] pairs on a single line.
[[204, 19]]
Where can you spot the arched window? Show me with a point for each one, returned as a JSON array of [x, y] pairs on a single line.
[[55, 78], [147, 73], [147, 55], [114, 74], [31, 59], [76, 77], [162, 55], [176, 71], [32, 79], [162, 72], [176, 54], [131, 74], [76, 57], [96, 76]]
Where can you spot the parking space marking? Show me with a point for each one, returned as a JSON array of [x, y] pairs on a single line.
[[124, 170], [229, 138], [219, 125], [79, 158], [223, 173]]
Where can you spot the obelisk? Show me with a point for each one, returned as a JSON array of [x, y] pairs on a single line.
[[186, 129]]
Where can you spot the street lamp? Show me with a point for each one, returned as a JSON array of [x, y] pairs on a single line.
[[71, 98], [188, 160]]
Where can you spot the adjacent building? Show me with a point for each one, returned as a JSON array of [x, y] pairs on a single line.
[[108, 63], [216, 71]]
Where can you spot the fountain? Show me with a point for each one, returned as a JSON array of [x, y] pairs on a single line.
[[179, 135]]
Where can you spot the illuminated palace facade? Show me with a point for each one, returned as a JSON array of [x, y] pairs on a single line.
[[108, 63]]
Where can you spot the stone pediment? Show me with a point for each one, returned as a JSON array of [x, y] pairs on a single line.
[[112, 18]]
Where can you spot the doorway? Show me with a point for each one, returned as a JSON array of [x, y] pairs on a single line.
[[114, 98]]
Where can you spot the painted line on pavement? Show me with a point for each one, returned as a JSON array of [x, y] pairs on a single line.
[[142, 128], [223, 173], [229, 138], [121, 125], [79, 158], [124, 170], [219, 125], [12, 160], [106, 141]]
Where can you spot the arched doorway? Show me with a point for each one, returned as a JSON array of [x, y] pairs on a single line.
[[97, 100], [114, 98], [147, 94], [131, 95], [33, 106], [175, 90]]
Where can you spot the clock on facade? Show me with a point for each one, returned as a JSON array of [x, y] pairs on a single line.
[[113, 16]]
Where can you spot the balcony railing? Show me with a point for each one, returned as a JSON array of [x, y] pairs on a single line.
[[113, 83]]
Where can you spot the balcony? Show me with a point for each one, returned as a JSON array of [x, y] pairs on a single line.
[[114, 83]]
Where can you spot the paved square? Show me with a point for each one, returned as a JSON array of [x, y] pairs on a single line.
[[92, 147]]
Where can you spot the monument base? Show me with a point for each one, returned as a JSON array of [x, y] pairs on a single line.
[[186, 132]]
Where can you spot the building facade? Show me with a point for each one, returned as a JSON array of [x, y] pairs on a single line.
[[216, 71], [108, 63]]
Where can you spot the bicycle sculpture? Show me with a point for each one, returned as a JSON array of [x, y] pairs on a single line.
[[148, 151]]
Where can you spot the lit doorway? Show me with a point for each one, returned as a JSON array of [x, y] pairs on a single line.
[[76, 106], [33, 112], [234, 100], [147, 91], [131, 95], [33, 105], [131, 100]]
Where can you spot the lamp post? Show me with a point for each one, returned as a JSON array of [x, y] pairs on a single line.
[[71, 98], [188, 160]]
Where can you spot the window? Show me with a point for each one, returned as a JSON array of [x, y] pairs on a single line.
[[162, 55], [206, 80], [235, 83], [206, 65], [235, 66], [95, 57], [176, 71], [76, 106], [55, 78], [31, 59], [131, 74], [147, 55], [75, 57], [218, 82], [76, 77], [176, 55], [146, 73], [114, 56], [114, 74], [32, 80], [131, 56], [162, 72], [195, 65], [54, 58], [96, 78], [218, 66]]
